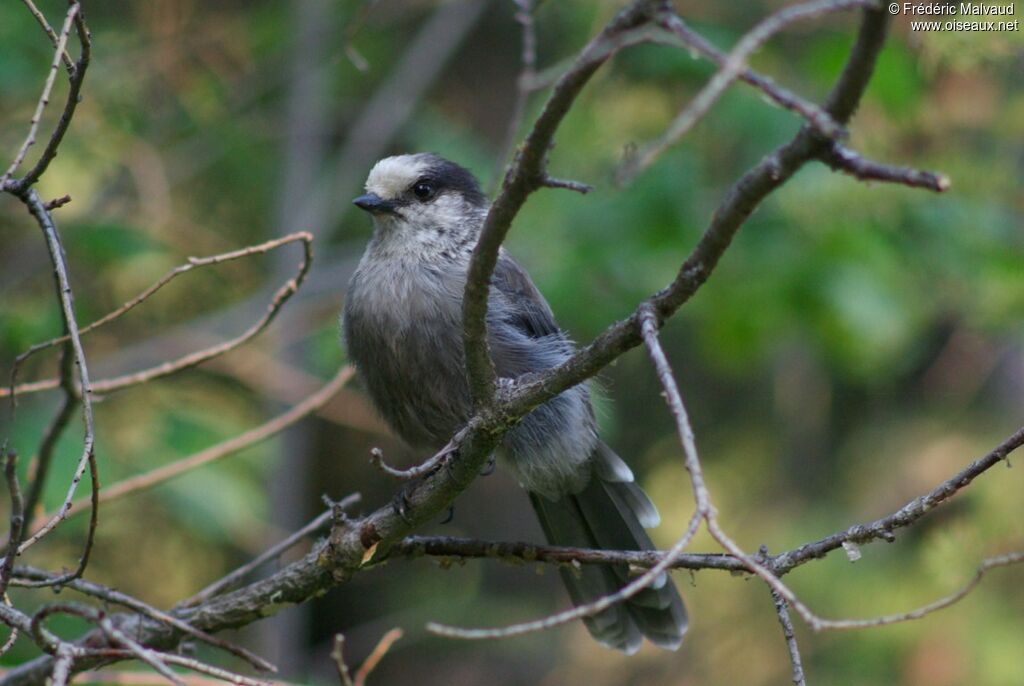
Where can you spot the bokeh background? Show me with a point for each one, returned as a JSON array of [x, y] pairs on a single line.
[[858, 344]]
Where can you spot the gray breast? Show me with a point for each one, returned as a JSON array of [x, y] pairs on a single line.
[[402, 329]]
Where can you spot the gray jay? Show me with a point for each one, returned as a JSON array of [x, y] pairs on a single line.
[[402, 325]]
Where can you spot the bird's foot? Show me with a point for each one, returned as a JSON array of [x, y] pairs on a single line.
[[490, 466]]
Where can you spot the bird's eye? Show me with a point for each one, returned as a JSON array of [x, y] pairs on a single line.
[[424, 191]]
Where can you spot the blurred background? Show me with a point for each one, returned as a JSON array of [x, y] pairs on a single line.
[[858, 344]]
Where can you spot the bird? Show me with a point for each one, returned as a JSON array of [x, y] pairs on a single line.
[[402, 328]]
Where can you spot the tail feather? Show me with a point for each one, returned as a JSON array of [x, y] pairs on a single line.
[[563, 523], [610, 513]]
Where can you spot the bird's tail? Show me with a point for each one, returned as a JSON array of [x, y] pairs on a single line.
[[612, 513]]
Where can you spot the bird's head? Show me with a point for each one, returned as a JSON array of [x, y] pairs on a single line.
[[423, 198]]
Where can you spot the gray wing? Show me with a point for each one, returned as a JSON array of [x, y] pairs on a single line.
[[518, 301]]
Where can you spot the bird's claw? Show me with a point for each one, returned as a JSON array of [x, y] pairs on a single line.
[[400, 504], [449, 515], [489, 467]]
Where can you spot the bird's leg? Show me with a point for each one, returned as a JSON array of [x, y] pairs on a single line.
[[400, 503]]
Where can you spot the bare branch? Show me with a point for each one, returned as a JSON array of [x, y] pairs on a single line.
[[44, 99], [62, 664], [376, 655], [527, 22], [841, 158], [991, 563], [526, 553], [790, 636], [57, 202], [110, 595], [567, 184], [50, 33], [17, 519], [357, 544], [587, 610], [129, 678], [203, 668], [251, 437], [882, 529], [740, 201], [816, 116], [734, 66], [13, 638], [150, 657], [310, 576], [88, 457], [338, 655], [420, 470], [281, 296], [232, 579], [524, 176]]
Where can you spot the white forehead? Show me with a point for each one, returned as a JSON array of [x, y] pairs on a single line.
[[392, 176]]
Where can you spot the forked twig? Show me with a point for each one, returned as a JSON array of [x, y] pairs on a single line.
[[232, 579], [251, 437], [733, 67], [44, 99], [280, 297], [88, 457]]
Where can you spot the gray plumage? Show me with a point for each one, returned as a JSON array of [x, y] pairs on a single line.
[[402, 325]]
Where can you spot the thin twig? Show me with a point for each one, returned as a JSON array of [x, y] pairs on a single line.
[[150, 657], [251, 437], [113, 596], [338, 655], [815, 115], [882, 529], [50, 33], [567, 184], [790, 636], [524, 176], [733, 68], [15, 630], [415, 472], [44, 99], [376, 655], [986, 565], [74, 96], [580, 611], [522, 552], [203, 668], [841, 158], [739, 202], [229, 581], [58, 202], [280, 297], [88, 457], [705, 509], [527, 22], [17, 519]]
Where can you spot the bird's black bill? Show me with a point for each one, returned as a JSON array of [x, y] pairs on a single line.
[[373, 203]]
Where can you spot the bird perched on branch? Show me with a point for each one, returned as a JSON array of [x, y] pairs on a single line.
[[402, 326]]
